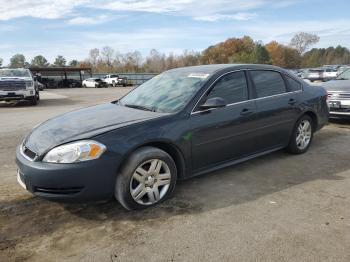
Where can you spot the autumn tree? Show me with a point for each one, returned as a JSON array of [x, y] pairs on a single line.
[[303, 41], [39, 61]]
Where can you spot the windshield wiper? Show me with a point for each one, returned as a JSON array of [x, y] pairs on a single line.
[[145, 108]]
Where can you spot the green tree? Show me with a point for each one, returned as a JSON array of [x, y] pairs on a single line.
[[60, 61], [18, 61], [73, 63], [261, 55], [39, 61]]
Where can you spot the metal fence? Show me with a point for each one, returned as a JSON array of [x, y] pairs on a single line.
[[133, 78]]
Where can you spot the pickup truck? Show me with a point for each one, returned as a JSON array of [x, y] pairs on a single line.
[[114, 80], [18, 84]]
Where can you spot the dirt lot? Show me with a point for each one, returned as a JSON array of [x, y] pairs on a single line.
[[275, 208]]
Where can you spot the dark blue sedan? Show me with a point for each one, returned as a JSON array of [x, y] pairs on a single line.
[[182, 123]]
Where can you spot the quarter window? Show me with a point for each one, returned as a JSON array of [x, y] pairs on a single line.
[[268, 83], [231, 87], [293, 85]]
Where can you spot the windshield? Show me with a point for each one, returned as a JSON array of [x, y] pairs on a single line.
[[14, 73], [345, 75], [168, 92]]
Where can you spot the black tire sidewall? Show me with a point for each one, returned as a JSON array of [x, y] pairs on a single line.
[[292, 147], [122, 185]]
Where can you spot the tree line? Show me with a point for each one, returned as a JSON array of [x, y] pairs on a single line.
[[233, 50]]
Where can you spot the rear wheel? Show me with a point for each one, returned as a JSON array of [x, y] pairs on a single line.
[[302, 135], [146, 179]]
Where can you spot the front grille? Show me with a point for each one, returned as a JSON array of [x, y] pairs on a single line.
[[58, 191], [12, 85], [339, 96]]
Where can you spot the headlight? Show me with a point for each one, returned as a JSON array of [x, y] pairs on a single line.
[[75, 152], [29, 84]]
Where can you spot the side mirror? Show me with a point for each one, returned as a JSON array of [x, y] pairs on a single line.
[[215, 102]]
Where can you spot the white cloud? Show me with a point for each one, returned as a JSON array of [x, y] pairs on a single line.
[[219, 17], [80, 20], [49, 9], [53, 9]]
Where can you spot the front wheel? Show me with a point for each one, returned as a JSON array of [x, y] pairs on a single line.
[[302, 136], [146, 179]]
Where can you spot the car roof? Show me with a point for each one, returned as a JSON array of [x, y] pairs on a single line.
[[212, 69]]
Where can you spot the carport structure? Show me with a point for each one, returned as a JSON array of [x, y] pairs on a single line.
[[62, 74]]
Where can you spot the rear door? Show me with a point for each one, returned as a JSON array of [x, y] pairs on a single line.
[[222, 134], [277, 108]]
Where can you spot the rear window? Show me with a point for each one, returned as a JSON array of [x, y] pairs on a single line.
[[268, 83]]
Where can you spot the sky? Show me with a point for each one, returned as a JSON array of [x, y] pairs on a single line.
[[72, 27]]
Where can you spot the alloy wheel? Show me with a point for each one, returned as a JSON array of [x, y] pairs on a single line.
[[304, 134], [150, 182]]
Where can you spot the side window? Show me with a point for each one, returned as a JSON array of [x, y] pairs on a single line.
[[293, 85], [231, 87], [268, 83]]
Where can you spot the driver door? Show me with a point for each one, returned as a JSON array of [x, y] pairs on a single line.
[[224, 134]]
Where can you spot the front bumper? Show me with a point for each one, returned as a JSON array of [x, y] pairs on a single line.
[[79, 182], [342, 109], [16, 95]]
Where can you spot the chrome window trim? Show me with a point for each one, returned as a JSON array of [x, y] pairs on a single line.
[[254, 99], [216, 80]]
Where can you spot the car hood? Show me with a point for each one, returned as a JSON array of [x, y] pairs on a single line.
[[337, 85], [83, 124]]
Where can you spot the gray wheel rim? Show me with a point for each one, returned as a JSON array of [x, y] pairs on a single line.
[[304, 133], [150, 182]]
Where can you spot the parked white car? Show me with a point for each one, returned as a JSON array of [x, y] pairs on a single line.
[[329, 74], [18, 84], [94, 82]]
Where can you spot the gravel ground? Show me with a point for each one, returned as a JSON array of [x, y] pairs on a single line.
[[275, 208]]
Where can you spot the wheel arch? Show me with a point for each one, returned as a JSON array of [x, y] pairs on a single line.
[[167, 147], [313, 116]]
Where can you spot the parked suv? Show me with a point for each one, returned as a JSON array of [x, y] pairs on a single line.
[[339, 95], [315, 75], [329, 74], [18, 84]]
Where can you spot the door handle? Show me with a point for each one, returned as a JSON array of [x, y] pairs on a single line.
[[292, 101], [246, 112]]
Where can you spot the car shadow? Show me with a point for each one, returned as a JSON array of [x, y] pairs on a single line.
[[343, 122], [236, 185]]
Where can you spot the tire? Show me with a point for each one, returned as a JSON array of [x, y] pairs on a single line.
[[128, 179], [33, 100], [84, 86], [295, 145]]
